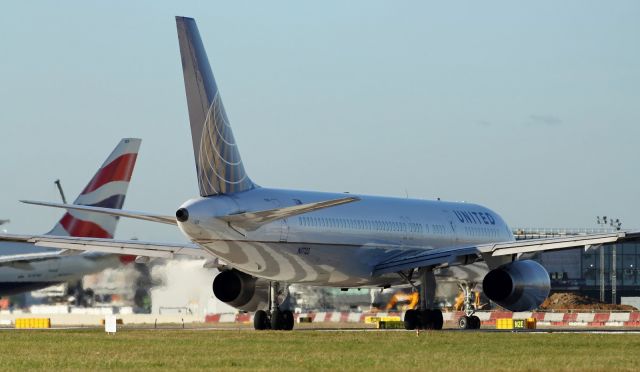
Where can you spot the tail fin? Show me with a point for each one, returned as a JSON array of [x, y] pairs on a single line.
[[218, 163], [108, 189]]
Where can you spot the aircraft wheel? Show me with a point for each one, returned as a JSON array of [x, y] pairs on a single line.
[[261, 320], [288, 320], [426, 319], [475, 322], [277, 320], [410, 320], [436, 319], [464, 322]]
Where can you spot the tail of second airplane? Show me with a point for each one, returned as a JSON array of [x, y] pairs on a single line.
[[218, 163], [107, 189]]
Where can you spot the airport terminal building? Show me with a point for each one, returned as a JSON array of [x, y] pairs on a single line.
[[589, 272]]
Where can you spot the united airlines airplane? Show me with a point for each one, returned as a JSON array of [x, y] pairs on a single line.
[[265, 239], [25, 267]]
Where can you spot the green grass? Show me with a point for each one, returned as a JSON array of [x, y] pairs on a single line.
[[314, 350]]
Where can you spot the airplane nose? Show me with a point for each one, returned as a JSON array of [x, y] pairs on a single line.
[[182, 215]]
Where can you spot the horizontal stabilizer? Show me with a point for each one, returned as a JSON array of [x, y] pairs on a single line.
[[250, 221], [171, 220], [126, 247]]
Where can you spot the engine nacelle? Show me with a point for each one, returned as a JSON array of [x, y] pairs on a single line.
[[518, 286], [241, 290]]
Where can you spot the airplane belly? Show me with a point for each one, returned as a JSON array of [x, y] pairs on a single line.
[[27, 276], [25, 272], [313, 264], [75, 267]]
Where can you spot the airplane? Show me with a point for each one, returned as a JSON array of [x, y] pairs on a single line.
[[25, 267], [264, 239]]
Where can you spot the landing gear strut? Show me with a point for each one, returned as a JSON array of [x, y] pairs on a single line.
[[468, 320], [275, 318], [425, 317]]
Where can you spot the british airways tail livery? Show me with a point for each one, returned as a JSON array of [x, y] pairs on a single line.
[[265, 239], [108, 189], [25, 266]]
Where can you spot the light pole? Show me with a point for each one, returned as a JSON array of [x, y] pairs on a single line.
[[59, 185], [616, 224]]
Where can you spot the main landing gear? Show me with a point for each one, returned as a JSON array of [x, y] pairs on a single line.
[[468, 320], [275, 318], [425, 317], [280, 320]]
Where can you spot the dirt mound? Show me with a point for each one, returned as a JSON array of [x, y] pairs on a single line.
[[570, 301]]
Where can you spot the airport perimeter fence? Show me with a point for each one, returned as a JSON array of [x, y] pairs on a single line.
[[577, 318]]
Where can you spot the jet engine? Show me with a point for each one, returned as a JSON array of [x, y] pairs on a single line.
[[241, 290], [517, 286]]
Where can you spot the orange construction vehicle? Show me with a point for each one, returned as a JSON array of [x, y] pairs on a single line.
[[410, 300], [459, 304]]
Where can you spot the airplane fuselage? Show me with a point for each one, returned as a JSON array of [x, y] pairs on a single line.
[[336, 246]]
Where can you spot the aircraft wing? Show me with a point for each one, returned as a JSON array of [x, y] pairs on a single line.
[[125, 247], [253, 220], [170, 220], [471, 254]]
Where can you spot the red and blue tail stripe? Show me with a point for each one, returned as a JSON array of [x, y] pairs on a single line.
[[119, 169], [108, 189]]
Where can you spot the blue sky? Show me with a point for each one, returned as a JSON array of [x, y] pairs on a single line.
[[530, 109]]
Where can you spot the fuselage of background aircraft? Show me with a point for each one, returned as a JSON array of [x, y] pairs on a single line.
[[29, 275]]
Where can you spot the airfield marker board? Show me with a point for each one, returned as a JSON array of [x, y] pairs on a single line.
[[110, 324]]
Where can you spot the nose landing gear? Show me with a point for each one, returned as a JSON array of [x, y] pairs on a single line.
[[468, 320]]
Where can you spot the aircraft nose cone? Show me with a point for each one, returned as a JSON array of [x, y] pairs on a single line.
[[182, 215]]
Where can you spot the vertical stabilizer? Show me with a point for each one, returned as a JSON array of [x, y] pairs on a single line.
[[107, 189], [218, 163]]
